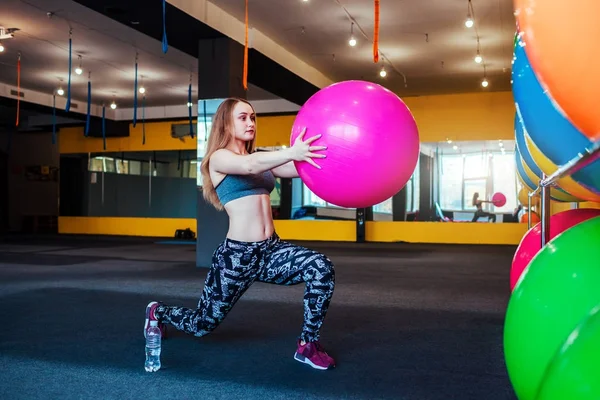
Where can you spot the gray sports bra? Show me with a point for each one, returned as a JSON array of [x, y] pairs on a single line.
[[235, 186]]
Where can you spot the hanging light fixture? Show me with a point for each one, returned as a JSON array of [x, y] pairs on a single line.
[[352, 41], [79, 69]]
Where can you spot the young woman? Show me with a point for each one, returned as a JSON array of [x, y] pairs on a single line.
[[480, 213], [239, 180]]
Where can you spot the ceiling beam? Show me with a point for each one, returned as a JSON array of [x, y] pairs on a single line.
[[216, 18]]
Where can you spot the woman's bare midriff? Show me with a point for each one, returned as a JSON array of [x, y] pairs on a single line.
[[250, 218]]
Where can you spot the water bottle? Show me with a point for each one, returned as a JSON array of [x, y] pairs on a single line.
[[153, 343]]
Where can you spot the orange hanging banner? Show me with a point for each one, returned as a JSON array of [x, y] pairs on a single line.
[[376, 34], [245, 77], [18, 88]]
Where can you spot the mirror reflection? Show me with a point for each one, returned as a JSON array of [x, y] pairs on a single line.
[[447, 183]]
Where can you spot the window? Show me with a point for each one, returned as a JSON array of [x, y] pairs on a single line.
[[170, 163], [413, 191], [311, 199], [276, 193], [385, 207], [451, 178]]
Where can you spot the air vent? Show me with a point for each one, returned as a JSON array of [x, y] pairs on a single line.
[[179, 131], [15, 93], [74, 105]]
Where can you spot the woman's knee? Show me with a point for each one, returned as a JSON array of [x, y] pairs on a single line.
[[324, 268]]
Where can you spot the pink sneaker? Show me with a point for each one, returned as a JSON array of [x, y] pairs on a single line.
[[150, 317], [313, 354]]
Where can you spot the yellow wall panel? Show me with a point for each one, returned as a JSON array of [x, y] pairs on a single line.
[[589, 204], [460, 117], [121, 226], [471, 116], [343, 231], [158, 137], [274, 130], [445, 232]]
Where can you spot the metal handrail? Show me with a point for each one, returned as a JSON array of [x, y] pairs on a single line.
[[577, 163]]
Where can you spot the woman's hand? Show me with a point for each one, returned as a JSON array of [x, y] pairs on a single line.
[[303, 151]]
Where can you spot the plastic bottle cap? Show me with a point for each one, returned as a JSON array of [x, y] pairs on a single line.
[[153, 323]]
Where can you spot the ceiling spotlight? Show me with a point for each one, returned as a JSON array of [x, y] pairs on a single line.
[[383, 72], [60, 91], [113, 105], [484, 82], [142, 90], [469, 22]]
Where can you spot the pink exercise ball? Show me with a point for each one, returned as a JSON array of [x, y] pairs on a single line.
[[531, 243], [498, 199], [372, 143]]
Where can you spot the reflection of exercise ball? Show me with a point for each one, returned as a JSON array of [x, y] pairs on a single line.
[[573, 373], [556, 292], [498, 199], [372, 143], [573, 85], [531, 243], [535, 218]]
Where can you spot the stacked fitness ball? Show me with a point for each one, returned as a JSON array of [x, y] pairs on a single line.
[[552, 326]]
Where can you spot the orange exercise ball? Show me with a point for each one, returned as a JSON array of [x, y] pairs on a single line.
[[561, 42], [535, 218]]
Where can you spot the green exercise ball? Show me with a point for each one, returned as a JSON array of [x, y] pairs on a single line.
[[556, 292], [574, 373]]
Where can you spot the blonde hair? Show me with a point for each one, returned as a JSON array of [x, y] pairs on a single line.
[[221, 134]]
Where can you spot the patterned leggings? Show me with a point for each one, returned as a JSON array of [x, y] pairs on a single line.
[[236, 265]]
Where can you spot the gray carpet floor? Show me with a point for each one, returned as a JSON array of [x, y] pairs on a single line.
[[415, 322]]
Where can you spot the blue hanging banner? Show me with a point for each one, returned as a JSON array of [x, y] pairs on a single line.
[[165, 45], [205, 122], [135, 91], [54, 119], [144, 120], [89, 105], [104, 125], [190, 105], [68, 107]]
